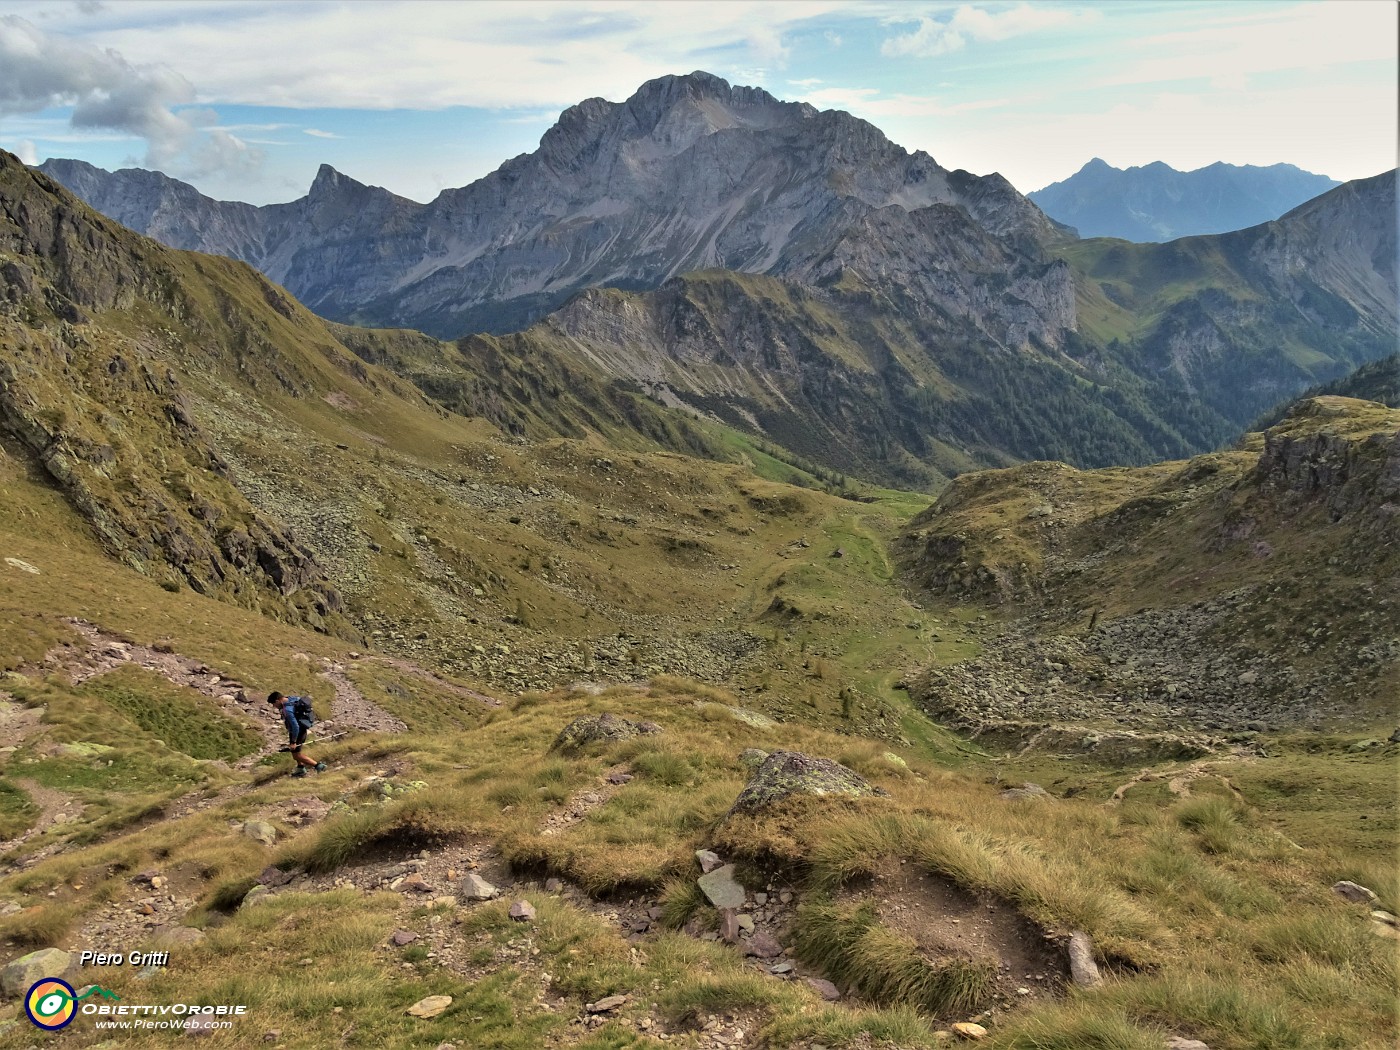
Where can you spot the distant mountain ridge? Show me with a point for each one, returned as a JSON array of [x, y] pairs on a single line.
[[689, 173], [1156, 202]]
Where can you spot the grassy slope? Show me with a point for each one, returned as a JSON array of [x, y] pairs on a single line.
[[617, 564]]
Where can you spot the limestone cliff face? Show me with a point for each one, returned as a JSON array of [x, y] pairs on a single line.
[[689, 173]]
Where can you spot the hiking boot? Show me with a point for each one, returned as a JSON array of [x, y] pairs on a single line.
[[300, 771], [320, 767]]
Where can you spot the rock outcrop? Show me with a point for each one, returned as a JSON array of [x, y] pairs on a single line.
[[787, 773]]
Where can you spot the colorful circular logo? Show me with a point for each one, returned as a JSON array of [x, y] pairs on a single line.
[[50, 1004]]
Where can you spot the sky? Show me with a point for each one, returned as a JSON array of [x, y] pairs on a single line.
[[246, 98]]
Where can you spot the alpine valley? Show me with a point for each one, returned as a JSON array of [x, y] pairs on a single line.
[[758, 587]]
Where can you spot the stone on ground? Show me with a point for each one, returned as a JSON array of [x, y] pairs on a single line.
[[752, 757], [260, 831], [403, 938], [1354, 893], [606, 1005], [721, 889], [522, 911], [763, 945], [431, 1006], [168, 937], [605, 728], [1082, 966], [1026, 790], [475, 888], [969, 1030], [1176, 1042], [785, 773], [24, 971], [709, 860], [825, 989]]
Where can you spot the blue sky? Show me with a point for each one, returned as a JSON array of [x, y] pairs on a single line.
[[245, 99]]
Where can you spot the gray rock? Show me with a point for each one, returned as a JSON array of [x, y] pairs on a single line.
[[825, 989], [1176, 1042], [599, 729], [1027, 790], [553, 886], [782, 968], [474, 888], [403, 938], [1082, 967], [763, 945], [751, 758], [709, 860], [1354, 893], [787, 773], [607, 1004], [721, 889], [254, 895], [260, 831], [20, 973], [522, 911]]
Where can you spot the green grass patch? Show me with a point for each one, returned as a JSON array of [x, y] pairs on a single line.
[[184, 719]]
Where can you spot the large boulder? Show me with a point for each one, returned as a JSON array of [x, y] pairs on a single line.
[[785, 773], [17, 977], [605, 728]]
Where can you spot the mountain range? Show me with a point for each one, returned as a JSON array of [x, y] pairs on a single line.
[[687, 174], [794, 274], [1155, 202]]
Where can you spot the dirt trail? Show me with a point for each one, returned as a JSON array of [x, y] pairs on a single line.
[[105, 651], [55, 807], [1179, 780], [585, 802]]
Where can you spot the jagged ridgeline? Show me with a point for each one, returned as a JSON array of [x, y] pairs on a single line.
[[795, 274], [131, 374]]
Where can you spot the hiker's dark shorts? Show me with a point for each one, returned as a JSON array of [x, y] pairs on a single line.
[[300, 737]]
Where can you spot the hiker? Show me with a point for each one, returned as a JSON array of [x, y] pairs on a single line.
[[296, 713]]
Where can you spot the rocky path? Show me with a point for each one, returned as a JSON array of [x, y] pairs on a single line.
[[104, 651], [1179, 780]]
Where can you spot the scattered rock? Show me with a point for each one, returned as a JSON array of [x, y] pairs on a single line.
[[1082, 966], [1385, 917], [254, 895], [782, 968], [606, 1005], [619, 778], [709, 860], [272, 1035], [605, 728], [24, 971], [969, 1030], [475, 888], [554, 886], [721, 889], [273, 876], [1026, 790], [1354, 893], [522, 911], [403, 938], [785, 773], [1395, 737], [432, 1006], [260, 831], [825, 989], [1176, 1042], [763, 945]]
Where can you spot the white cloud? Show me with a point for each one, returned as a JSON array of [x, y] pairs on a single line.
[[25, 151], [934, 37], [873, 104], [317, 133], [422, 55], [40, 70]]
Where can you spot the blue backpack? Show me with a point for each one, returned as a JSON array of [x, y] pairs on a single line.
[[301, 709]]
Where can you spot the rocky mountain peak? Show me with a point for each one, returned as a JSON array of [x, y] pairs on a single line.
[[330, 183]]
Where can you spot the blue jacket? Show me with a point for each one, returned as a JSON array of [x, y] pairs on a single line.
[[295, 727]]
